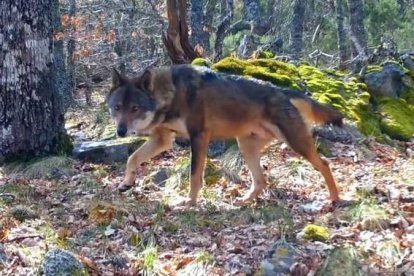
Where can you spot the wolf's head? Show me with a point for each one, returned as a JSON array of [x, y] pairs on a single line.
[[130, 103]]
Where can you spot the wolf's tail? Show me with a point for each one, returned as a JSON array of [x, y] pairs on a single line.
[[313, 112]]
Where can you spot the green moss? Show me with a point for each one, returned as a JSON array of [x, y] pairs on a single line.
[[408, 96], [201, 62], [231, 66], [212, 173], [397, 118], [310, 72], [276, 72], [43, 168], [373, 69], [264, 54], [180, 174], [262, 74], [276, 66], [316, 233]]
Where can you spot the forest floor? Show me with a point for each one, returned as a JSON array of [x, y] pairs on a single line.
[[65, 203]]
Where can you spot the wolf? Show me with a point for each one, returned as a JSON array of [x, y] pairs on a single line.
[[202, 105]]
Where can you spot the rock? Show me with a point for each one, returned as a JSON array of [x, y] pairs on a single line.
[[159, 177], [386, 82], [107, 151], [280, 258], [61, 262], [312, 207], [342, 261], [217, 148], [397, 118]]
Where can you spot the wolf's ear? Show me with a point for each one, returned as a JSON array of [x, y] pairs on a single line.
[[145, 81], [117, 79]]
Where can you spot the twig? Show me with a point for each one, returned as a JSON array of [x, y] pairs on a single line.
[[25, 237]]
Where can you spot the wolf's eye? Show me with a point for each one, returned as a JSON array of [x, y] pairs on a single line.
[[134, 108], [117, 107]]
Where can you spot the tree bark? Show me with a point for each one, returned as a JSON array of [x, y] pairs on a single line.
[[358, 34], [252, 14], [341, 33], [222, 28], [296, 27], [176, 38], [32, 79], [71, 46], [197, 22], [210, 9]]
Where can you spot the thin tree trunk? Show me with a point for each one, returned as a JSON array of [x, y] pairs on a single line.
[[251, 11], [359, 36], [208, 17], [176, 38], [196, 22], [341, 33], [222, 28], [32, 79], [296, 27]]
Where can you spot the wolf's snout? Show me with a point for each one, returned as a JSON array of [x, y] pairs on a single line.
[[121, 130]]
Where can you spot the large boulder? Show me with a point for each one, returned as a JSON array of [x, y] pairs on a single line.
[[107, 152], [387, 81]]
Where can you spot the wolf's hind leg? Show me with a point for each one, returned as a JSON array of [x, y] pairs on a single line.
[[298, 137], [250, 147], [159, 141]]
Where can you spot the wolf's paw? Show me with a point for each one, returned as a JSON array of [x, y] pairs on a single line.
[[183, 203], [124, 187], [243, 201]]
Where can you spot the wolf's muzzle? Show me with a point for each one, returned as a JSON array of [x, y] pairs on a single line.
[[121, 130]]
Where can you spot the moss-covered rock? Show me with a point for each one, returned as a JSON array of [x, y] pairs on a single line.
[[315, 233], [263, 54], [343, 91], [201, 62], [397, 118], [276, 72]]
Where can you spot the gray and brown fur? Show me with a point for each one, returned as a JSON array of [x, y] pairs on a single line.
[[202, 105]]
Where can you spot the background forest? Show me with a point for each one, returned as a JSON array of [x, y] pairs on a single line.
[[61, 161]]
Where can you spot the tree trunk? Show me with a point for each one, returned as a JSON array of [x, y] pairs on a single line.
[[341, 33], [32, 79], [251, 14], [71, 47], [296, 27], [197, 22], [358, 34], [208, 17], [222, 28], [176, 38]]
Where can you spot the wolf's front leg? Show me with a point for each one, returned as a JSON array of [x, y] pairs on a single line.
[[199, 147], [159, 141]]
